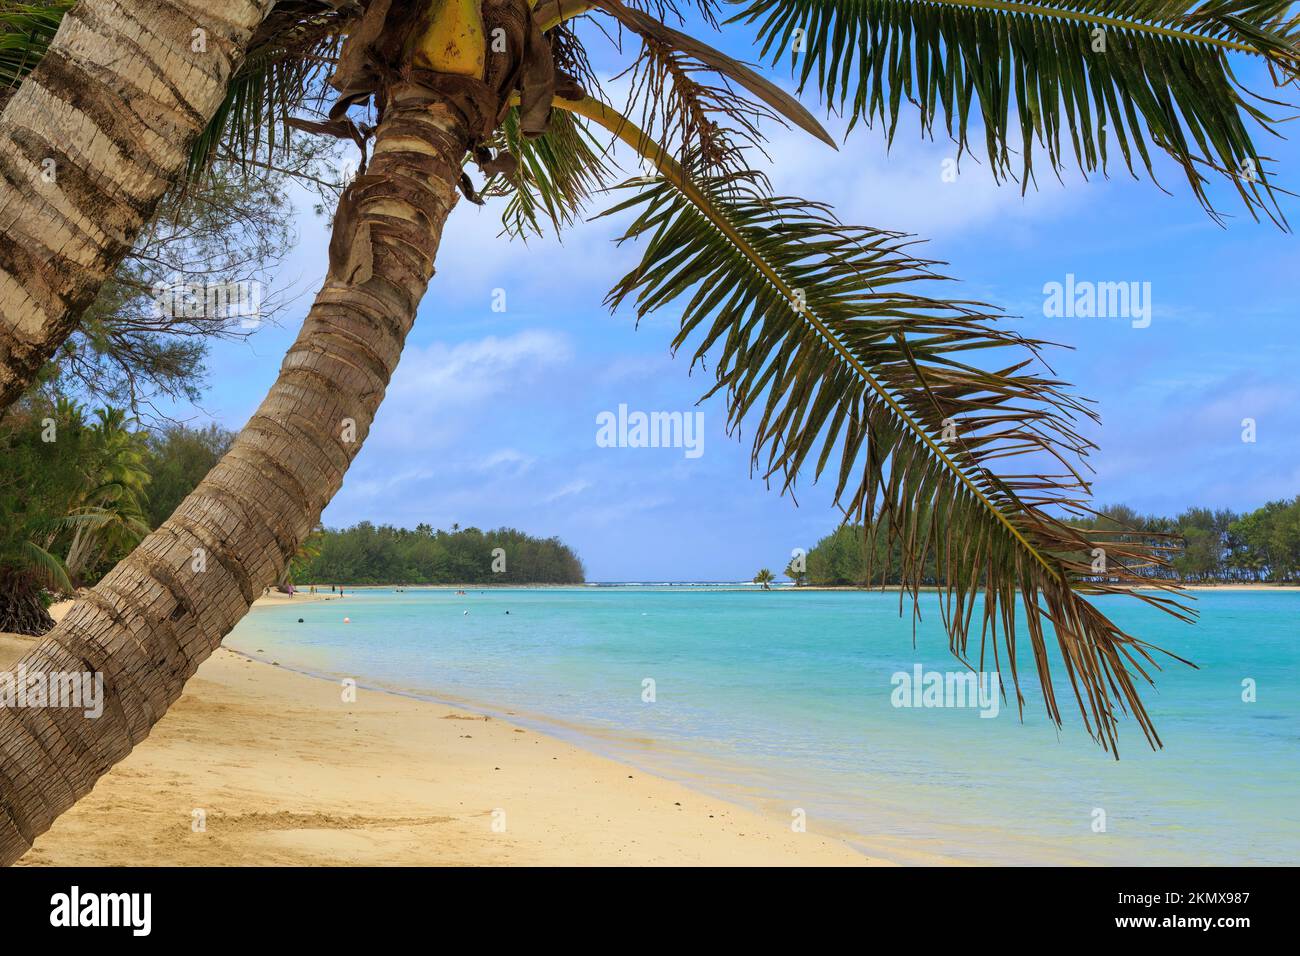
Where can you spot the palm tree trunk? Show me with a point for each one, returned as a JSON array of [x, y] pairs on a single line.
[[78, 552], [88, 145], [159, 614]]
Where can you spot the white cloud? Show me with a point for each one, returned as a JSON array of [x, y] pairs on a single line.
[[440, 390], [574, 487], [507, 461]]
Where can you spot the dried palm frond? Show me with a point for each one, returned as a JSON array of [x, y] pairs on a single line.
[[693, 114]]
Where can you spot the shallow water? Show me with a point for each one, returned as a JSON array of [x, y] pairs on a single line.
[[784, 700]]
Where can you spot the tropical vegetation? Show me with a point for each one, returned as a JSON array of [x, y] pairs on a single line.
[[78, 491], [370, 554], [1207, 546]]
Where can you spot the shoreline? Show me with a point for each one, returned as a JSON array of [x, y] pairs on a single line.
[[411, 776], [281, 770]]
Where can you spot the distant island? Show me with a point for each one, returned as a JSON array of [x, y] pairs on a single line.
[[382, 554], [1205, 546]]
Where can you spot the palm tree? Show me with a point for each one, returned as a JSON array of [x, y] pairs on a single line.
[[307, 552], [825, 334], [796, 572], [99, 128], [764, 578], [111, 511], [42, 482]]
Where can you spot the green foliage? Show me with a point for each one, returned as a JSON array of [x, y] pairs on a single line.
[[848, 558], [77, 494], [765, 577], [557, 173], [1266, 542], [1125, 72], [26, 30], [179, 458], [45, 452], [369, 554], [839, 559], [1205, 546], [304, 557], [108, 520]]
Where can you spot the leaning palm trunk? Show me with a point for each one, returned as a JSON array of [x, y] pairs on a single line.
[[92, 139], [82, 552], [158, 615]]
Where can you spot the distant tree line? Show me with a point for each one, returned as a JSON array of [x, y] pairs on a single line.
[[381, 554], [1222, 546], [1207, 546], [80, 489]]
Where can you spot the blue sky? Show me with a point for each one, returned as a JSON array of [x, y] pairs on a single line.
[[491, 417]]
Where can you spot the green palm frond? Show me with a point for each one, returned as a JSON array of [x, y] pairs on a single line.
[[91, 518], [25, 34], [818, 335], [1090, 71], [283, 72], [95, 518], [558, 171], [44, 566]]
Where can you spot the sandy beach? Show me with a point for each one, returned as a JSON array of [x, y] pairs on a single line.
[[282, 771]]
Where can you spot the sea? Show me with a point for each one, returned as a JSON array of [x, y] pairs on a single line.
[[831, 709]]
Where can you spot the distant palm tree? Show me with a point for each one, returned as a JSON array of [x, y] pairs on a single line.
[[765, 578], [307, 552], [796, 572], [827, 336]]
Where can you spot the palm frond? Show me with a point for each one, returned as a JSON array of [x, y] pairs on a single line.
[[283, 72], [550, 12], [764, 90], [45, 566], [26, 30], [685, 108], [557, 173], [815, 331], [1086, 70]]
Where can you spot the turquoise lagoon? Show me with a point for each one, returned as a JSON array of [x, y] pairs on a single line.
[[784, 700]]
